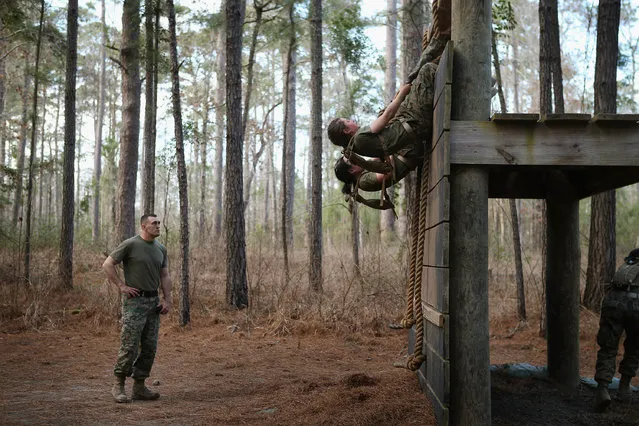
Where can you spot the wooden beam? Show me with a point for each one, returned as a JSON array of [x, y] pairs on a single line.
[[510, 117], [432, 315], [542, 144], [562, 280], [607, 119], [581, 118]]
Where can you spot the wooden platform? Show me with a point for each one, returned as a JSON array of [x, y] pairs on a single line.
[[596, 153], [557, 157]]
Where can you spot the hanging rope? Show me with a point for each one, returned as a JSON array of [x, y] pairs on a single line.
[[415, 360]]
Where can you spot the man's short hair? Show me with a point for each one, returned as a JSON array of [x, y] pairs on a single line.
[[336, 132], [146, 216]]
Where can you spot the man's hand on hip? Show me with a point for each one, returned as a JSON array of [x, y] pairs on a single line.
[[129, 291]]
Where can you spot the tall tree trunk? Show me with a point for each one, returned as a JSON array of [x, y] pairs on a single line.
[[390, 79], [236, 279], [58, 184], [288, 146], [65, 261], [352, 206], [78, 157], [514, 217], [202, 231], [17, 204], [32, 147], [602, 248], [97, 160], [315, 247], [220, 107], [148, 179], [185, 311], [130, 133], [288, 155], [3, 79], [41, 169]]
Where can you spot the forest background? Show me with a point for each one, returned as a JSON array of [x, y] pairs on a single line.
[[53, 242]]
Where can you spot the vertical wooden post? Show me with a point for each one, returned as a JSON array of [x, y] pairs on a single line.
[[562, 280], [469, 339]]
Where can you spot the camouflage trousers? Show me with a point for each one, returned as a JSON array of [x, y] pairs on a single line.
[[619, 313], [417, 107], [139, 337]]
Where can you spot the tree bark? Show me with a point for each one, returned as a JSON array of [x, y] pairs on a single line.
[[315, 247], [288, 155], [17, 204], [602, 247], [219, 125], [148, 178], [65, 261], [236, 280], [32, 147], [185, 310], [3, 79], [130, 131], [97, 160]]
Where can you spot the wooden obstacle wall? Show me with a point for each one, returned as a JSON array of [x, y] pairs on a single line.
[[434, 375]]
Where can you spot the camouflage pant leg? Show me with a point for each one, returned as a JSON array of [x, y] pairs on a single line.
[[417, 108], [139, 337], [630, 362]]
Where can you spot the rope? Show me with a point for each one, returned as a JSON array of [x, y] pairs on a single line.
[[414, 299]]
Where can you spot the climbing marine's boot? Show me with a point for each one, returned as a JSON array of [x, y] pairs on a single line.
[[625, 394], [142, 393], [602, 399], [118, 392]]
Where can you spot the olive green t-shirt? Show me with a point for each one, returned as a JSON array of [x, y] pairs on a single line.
[[142, 262], [388, 141]]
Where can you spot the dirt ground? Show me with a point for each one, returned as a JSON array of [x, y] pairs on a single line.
[[223, 375]]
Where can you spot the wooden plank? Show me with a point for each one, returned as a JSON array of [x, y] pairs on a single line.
[[439, 165], [441, 411], [607, 119], [432, 315], [444, 74], [441, 114], [510, 117], [438, 208], [436, 246], [435, 288], [486, 143], [438, 375], [544, 118], [437, 337]]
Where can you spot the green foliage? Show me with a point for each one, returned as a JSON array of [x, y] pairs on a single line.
[[504, 19], [346, 34]]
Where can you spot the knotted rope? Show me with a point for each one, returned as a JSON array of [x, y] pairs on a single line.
[[414, 299]]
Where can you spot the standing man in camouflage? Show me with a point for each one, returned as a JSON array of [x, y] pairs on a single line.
[[145, 271], [619, 313]]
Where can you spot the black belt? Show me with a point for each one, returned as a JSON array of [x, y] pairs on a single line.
[[147, 293]]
